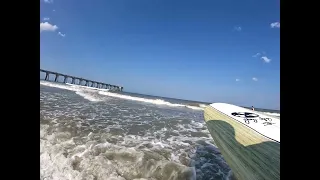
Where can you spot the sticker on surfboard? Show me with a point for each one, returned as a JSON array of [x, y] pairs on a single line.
[[248, 116], [266, 125]]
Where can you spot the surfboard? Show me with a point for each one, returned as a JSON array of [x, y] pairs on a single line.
[[248, 140]]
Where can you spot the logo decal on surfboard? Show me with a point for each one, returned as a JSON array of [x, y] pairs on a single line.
[[265, 125], [248, 116]]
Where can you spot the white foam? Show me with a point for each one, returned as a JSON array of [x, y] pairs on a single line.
[[80, 91], [87, 96], [61, 159], [75, 144], [57, 85], [153, 101], [76, 88], [203, 105], [195, 108], [106, 92], [197, 124], [86, 87], [271, 114]]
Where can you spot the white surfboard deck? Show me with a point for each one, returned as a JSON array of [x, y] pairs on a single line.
[[268, 126]]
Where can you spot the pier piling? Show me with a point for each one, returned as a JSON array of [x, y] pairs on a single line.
[[81, 81]]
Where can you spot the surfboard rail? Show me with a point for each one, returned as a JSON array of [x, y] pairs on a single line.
[[250, 154]]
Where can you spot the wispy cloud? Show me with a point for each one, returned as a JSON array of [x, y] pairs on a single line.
[[45, 26], [262, 57], [255, 79], [275, 25], [257, 55], [46, 19], [265, 59], [63, 35], [237, 80], [48, 1], [54, 10], [237, 28]]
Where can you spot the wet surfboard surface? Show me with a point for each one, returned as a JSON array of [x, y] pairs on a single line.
[[248, 140]]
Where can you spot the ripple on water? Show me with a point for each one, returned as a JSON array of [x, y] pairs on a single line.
[[117, 139]]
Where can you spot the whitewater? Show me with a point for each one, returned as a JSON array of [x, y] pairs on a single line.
[[90, 133]]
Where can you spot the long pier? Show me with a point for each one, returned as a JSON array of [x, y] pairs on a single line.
[[80, 81]]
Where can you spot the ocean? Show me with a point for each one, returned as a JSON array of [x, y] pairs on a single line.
[[92, 134]]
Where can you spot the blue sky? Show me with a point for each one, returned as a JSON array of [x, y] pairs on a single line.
[[205, 50]]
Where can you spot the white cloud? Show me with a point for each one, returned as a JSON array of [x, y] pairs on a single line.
[[255, 79], [275, 25], [48, 1], [46, 19], [256, 55], [237, 79], [45, 26], [265, 59], [63, 35], [237, 28]]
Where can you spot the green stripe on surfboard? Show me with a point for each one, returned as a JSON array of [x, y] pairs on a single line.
[[250, 155]]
